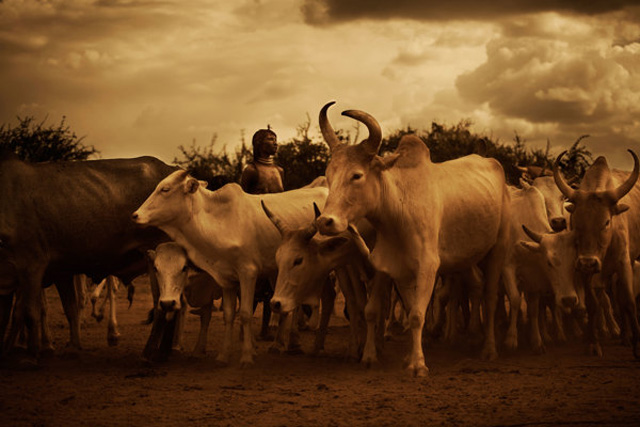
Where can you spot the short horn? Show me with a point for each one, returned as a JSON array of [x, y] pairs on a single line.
[[532, 234], [372, 143], [626, 186], [328, 133], [564, 188], [310, 231], [316, 210], [275, 220]]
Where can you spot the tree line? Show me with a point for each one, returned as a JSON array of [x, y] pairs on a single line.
[[303, 157]]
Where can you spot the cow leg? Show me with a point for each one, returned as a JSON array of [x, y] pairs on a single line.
[[591, 302], [28, 308], [372, 312], [355, 313], [247, 293], [558, 323], [97, 311], [229, 296], [181, 315], [80, 285], [153, 342], [328, 299], [113, 335], [511, 288], [205, 320], [627, 302], [609, 319], [423, 285], [533, 310], [452, 308], [69, 300], [277, 346], [6, 303], [47, 345]]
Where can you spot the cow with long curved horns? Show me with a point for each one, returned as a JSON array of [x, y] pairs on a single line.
[[607, 237], [430, 218]]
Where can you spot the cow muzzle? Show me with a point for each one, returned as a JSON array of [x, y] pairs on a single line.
[[330, 225], [168, 306], [558, 224], [589, 264]]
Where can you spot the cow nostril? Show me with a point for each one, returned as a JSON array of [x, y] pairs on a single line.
[[168, 305], [134, 216], [558, 224], [276, 306], [570, 302], [329, 222]]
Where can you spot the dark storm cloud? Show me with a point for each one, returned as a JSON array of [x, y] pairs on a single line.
[[330, 11]]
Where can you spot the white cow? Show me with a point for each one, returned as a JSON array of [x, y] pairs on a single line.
[[554, 202], [226, 234], [430, 218], [175, 284]]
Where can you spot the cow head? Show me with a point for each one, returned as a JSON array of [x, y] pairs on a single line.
[[304, 261], [170, 265], [558, 252], [593, 208], [353, 174], [554, 202], [169, 200]]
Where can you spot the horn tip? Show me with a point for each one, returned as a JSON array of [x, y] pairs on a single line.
[[328, 104]]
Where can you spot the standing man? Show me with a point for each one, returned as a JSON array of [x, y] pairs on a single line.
[[259, 177], [263, 175]]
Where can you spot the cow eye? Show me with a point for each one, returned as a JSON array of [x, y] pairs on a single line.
[[606, 224], [356, 176], [165, 189], [297, 261]]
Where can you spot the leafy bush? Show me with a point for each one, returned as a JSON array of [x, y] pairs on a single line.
[[37, 142]]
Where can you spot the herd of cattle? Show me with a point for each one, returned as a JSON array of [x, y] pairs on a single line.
[[394, 226]]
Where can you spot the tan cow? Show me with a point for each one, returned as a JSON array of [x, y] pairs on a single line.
[[430, 218], [605, 217], [226, 233], [305, 260]]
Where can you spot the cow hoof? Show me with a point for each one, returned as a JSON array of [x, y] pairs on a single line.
[[113, 340], [489, 354], [222, 360], [265, 337], [418, 371], [246, 361], [294, 351], [28, 363], [370, 362], [539, 349], [595, 350], [274, 349]]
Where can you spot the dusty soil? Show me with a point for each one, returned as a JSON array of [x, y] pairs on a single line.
[[105, 385]]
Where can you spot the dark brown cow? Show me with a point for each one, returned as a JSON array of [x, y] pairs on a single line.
[[59, 219], [607, 237]]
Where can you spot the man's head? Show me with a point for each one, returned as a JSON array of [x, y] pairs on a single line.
[[265, 143]]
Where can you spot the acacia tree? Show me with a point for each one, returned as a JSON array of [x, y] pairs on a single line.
[[36, 142]]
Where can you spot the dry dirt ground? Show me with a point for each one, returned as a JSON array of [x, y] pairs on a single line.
[[105, 385]]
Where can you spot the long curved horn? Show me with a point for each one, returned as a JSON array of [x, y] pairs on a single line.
[[328, 133], [372, 143], [275, 220], [532, 234], [564, 188], [626, 186]]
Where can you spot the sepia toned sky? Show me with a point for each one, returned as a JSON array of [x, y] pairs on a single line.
[[142, 77]]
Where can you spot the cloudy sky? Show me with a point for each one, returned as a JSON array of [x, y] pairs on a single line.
[[142, 77]]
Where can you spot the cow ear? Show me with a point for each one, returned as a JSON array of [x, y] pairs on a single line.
[[191, 185], [151, 254], [203, 184], [389, 160], [332, 244], [620, 208], [532, 246], [570, 207]]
